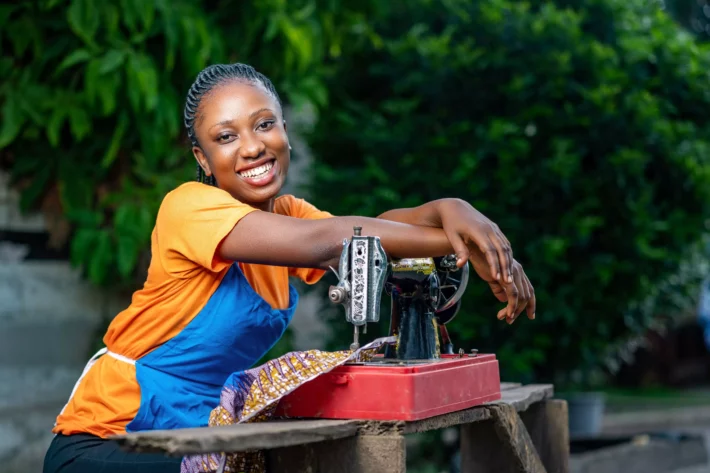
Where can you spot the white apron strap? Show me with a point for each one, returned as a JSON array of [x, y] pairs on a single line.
[[97, 355]]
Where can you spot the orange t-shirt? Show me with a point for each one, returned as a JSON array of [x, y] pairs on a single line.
[[184, 272]]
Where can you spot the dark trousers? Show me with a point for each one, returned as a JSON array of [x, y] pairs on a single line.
[[89, 454]]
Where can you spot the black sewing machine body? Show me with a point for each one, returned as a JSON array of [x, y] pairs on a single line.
[[425, 294]]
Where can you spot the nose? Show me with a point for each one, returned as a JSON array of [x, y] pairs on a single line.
[[252, 147]]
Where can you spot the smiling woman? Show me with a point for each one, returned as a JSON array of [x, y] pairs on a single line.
[[223, 249], [243, 146]]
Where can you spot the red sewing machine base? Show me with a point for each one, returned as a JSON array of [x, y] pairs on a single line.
[[388, 391]]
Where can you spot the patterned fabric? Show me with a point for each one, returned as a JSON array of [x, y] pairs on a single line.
[[252, 396]]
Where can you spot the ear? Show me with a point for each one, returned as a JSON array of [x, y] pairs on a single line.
[[202, 160], [286, 130]]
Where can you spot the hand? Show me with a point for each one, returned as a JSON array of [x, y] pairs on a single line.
[[474, 237], [467, 228], [520, 295]]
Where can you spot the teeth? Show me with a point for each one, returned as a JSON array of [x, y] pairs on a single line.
[[257, 172]]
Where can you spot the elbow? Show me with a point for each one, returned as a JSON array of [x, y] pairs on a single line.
[[326, 246]]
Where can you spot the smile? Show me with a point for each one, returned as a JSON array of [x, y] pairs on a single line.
[[257, 172]]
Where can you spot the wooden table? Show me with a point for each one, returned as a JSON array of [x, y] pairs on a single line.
[[526, 431]]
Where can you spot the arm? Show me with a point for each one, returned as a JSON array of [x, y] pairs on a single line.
[[426, 215], [476, 238], [465, 227], [267, 238]]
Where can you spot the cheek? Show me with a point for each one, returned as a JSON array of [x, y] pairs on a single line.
[[278, 140], [223, 156]]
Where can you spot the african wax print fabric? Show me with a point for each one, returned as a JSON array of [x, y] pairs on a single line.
[[253, 395]]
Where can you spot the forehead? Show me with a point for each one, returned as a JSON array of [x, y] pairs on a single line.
[[235, 99]]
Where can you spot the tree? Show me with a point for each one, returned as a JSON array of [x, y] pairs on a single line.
[[92, 96], [581, 127], [694, 15]]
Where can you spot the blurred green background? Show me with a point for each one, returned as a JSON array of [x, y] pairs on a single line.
[[581, 127]]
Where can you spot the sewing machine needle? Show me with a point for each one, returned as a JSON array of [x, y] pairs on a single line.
[[356, 334]]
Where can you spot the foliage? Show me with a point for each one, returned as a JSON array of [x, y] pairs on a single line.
[[580, 127], [692, 14], [92, 95]]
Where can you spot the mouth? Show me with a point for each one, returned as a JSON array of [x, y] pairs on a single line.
[[259, 175]]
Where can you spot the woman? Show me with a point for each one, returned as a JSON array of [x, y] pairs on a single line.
[[163, 367]]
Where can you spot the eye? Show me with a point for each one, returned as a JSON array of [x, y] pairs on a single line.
[[225, 137], [266, 125]]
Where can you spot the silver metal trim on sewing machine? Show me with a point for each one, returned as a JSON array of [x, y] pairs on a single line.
[[364, 271]]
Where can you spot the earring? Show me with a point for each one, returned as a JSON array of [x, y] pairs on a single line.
[[289, 147]]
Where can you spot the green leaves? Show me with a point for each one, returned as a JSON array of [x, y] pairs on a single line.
[[12, 121], [76, 57], [580, 127], [111, 61], [84, 19], [92, 95]]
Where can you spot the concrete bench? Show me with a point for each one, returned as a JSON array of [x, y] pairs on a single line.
[[526, 431]]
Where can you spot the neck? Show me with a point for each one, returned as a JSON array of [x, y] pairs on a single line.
[[267, 206]]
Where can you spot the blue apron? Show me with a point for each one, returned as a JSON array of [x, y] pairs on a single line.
[[181, 381]]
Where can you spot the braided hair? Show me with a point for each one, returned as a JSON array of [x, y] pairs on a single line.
[[208, 79]]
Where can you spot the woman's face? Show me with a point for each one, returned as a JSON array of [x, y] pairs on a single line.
[[243, 142]]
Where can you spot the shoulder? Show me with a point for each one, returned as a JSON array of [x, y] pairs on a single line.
[[195, 193], [197, 197], [296, 207]]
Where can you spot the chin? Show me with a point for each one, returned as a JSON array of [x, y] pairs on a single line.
[[258, 197]]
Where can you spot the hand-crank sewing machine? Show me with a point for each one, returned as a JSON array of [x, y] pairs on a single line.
[[420, 375]]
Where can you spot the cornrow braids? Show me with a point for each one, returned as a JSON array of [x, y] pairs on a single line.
[[208, 79]]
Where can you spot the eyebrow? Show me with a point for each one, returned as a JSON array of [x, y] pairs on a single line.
[[251, 115]]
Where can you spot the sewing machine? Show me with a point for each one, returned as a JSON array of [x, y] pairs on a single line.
[[425, 292], [420, 374]]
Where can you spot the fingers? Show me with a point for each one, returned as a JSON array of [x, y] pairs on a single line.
[[513, 294], [459, 247], [505, 255], [491, 253], [498, 291], [532, 304], [499, 255], [520, 295], [523, 297], [505, 252]]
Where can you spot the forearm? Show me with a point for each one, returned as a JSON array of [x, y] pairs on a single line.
[[399, 240], [266, 238], [428, 215]]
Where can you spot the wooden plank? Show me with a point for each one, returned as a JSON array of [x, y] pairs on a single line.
[[548, 425], [499, 445], [362, 454], [520, 398], [239, 437], [474, 414], [523, 397], [277, 434]]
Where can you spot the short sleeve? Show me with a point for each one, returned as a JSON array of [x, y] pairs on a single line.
[[192, 222], [299, 208]]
